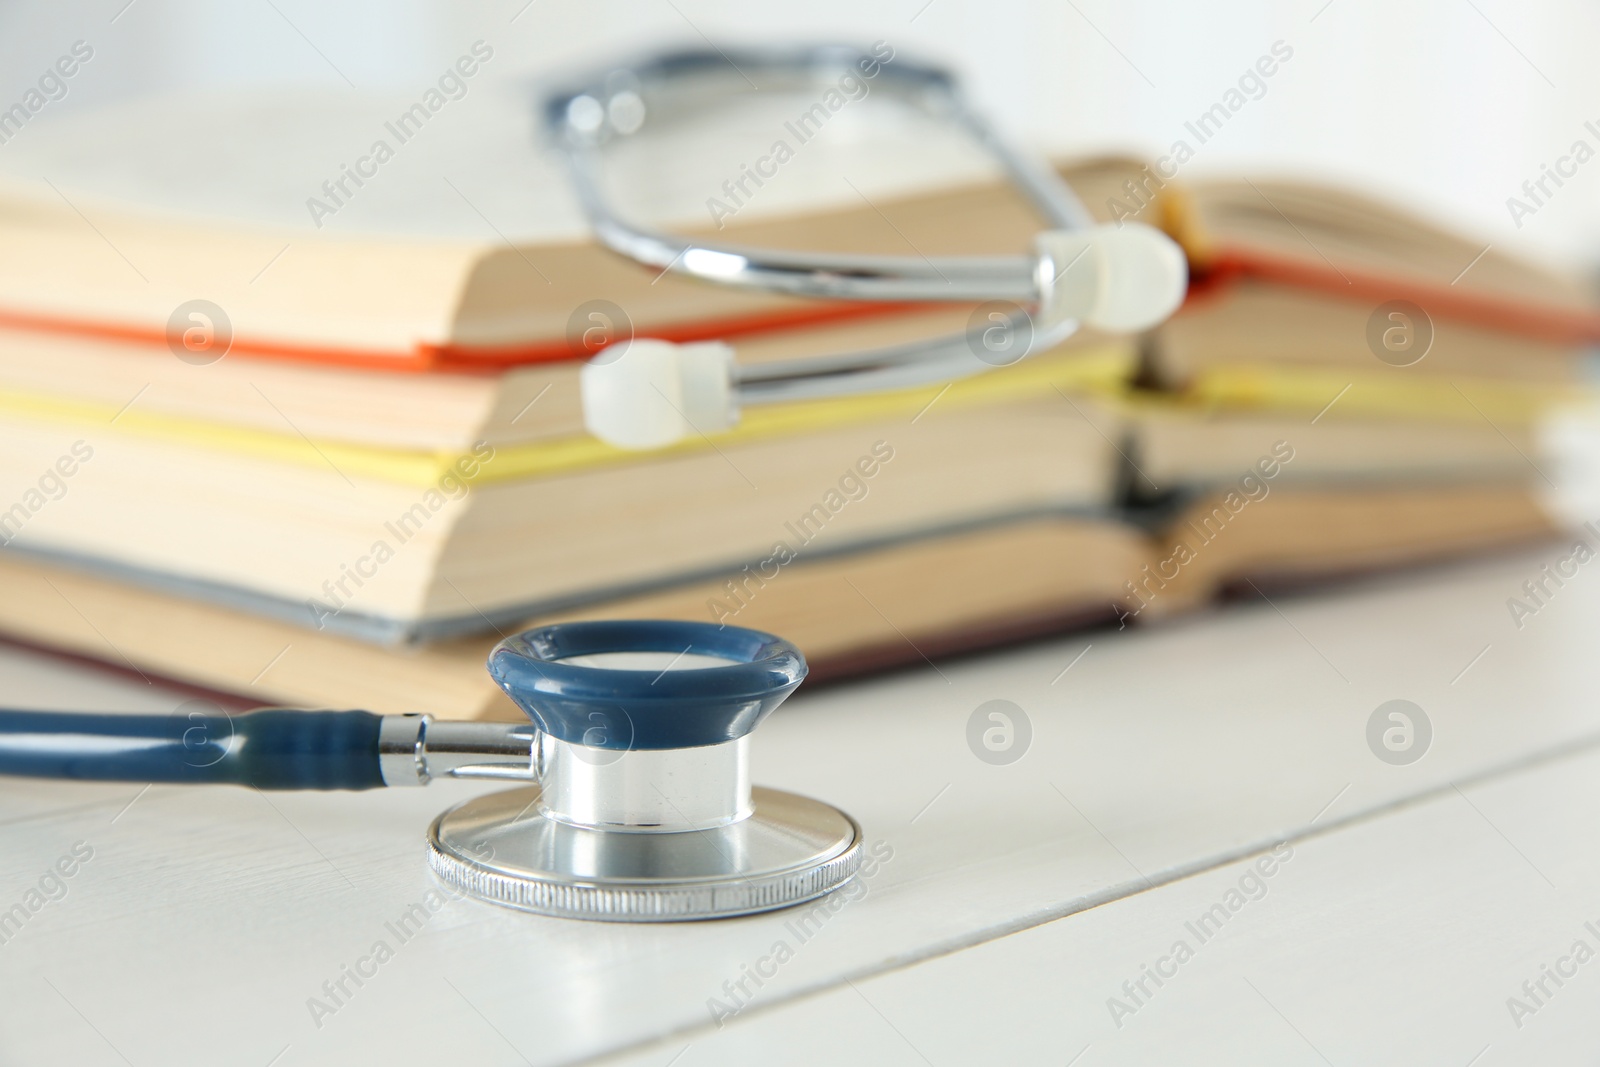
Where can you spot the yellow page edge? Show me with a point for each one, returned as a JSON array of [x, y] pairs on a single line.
[[1343, 395], [1104, 370]]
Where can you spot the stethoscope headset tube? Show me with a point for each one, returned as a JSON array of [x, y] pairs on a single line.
[[1119, 278]]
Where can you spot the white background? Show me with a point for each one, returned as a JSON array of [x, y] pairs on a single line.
[[1448, 104]]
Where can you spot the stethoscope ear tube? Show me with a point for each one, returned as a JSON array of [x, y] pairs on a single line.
[[647, 393]]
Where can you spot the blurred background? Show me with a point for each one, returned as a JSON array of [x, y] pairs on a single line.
[[1447, 105], [1431, 383]]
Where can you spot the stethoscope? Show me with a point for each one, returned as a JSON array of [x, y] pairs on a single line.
[[638, 804]]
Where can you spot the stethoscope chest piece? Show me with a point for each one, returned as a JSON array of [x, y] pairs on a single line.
[[644, 811]]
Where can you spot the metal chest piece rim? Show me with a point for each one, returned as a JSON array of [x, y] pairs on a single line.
[[503, 849]]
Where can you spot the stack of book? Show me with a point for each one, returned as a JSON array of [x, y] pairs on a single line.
[[332, 470], [1408, 366]]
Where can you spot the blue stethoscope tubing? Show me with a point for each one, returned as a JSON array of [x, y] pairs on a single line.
[[273, 748]]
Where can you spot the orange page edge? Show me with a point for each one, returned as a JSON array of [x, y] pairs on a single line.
[[459, 358], [1226, 266]]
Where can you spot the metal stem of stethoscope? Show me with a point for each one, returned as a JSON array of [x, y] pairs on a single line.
[[639, 805]]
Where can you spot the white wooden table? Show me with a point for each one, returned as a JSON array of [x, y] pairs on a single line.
[[1018, 900]]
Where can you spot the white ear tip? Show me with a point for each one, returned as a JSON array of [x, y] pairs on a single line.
[[1122, 279], [1145, 280], [1569, 449], [647, 393]]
